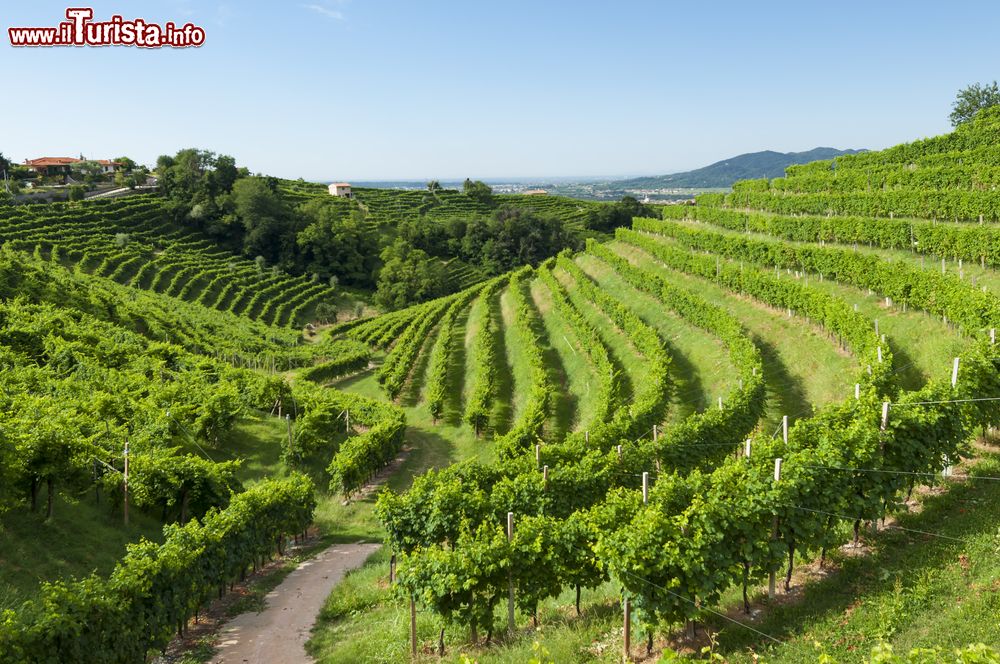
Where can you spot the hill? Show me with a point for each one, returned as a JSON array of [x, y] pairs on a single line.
[[764, 164], [739, 393], [759, 422]]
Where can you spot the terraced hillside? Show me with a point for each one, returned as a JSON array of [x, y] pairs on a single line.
[[136, 416], [389, 207], [677, 417], [133, 242]]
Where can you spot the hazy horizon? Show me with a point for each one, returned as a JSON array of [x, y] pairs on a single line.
[[340, 89]]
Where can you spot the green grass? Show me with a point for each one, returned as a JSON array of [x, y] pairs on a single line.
[[911, 590], [577, 402], [81, 538], [914, 590], [922, 344], [700, 364], [802, 367], [430, 446], [629, 364], [562, 405], [365, 621], [516, 358]]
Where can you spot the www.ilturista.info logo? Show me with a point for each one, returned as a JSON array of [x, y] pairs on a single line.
[[80, 30]]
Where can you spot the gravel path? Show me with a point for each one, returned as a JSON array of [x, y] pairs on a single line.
[[278, 634]]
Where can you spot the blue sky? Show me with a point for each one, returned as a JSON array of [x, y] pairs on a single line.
[[366, 89]]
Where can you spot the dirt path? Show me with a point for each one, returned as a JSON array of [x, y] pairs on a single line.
[[278, 634]]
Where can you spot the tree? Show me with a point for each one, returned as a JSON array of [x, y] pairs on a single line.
[[5, 172], [77, 192], [90, 171], [972, 99], [408, 275], [513, 237], [128, 165], [609, 217], [335, 243], [478, 190], [264, 216], [433, 186]]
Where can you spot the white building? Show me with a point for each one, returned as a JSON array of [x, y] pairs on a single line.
[[341, 189]]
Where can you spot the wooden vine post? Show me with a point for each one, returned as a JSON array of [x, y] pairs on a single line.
[[413, 626], [627, 632], [510, 577]]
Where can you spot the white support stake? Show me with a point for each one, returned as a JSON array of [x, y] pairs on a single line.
[[126, 481], [720, 403], [774, 531], [857, 391], [746, 448], [954, 373], [619, 452], [885, 415], [879, 353], [993, 336], [784, 428], [876, 326], [538, 454], [645, 487], [655, 434]]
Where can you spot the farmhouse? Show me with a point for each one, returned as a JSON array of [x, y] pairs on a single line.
[[63, 165], [341, 189]]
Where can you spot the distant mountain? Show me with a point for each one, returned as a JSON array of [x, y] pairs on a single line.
[[769, 164]]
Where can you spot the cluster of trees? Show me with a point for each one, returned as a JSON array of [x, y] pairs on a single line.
[[331, 241], [250, 214], [509, 238], [609, 217]]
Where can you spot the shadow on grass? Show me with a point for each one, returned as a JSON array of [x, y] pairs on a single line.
[[411, 393], [503, 407], [562, 409], [456, 371], [785, 392]]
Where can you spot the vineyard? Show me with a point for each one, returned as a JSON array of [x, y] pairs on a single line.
[[678, 419], [733, 427], [131, 241]]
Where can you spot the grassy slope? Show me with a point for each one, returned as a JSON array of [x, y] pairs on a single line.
[[627, 361], [801, 367], [513, 346], [81, 538], [701, 368], [578, 399], [912, 590], [364, 622]]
